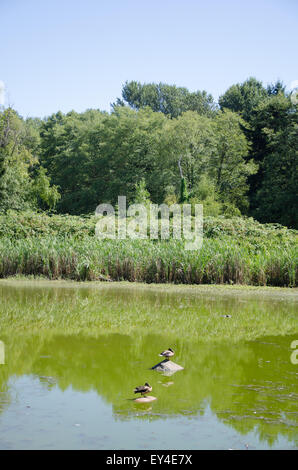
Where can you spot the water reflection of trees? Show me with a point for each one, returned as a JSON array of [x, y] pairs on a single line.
[[249, 386]]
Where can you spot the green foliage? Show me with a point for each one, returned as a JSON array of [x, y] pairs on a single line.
[[167, 99], [229, 210], [187, 146], [278, 194], [2, 171], [205, 193], [272, 134], [142, 195], [43, 194], [275, 136], [27, 224], [170, 195], [20, 186], [17, 225], [221, 260], [94, 158], [183, 191], [230, 166], [234, 250], [245, 153], [243, 98], [68, 154]]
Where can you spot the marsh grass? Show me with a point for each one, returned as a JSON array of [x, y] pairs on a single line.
[[235, 251], [220, 260]]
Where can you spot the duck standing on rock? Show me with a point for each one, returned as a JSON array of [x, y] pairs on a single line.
[[143, 389], [167, 353]]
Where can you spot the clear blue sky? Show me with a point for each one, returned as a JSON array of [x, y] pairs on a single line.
[[76, 54]]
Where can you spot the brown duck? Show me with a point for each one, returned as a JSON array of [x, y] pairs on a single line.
[[167, 353], [143, 389]]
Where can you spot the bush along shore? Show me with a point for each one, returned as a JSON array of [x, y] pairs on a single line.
[[234, 251]]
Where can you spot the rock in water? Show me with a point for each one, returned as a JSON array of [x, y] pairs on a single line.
[[167, 367], [145, 399]]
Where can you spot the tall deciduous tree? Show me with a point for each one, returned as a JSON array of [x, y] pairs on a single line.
[[243, 97], [167, 99], [94, 158], [274, 190], [230, 166], [187, 146], [17, 167]]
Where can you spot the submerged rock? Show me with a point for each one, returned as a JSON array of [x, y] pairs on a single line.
[[145, 399], [167, 367]]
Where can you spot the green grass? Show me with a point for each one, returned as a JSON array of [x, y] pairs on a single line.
[[234, 251], [219, 261]]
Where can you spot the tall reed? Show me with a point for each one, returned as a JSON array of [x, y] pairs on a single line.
[[220, 260]]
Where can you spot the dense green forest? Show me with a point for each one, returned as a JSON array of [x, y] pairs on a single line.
[[163, 143]]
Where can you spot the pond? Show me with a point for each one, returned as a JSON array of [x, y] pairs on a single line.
[[69, 373]]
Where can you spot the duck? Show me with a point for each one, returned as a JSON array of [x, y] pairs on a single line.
[[167, 353], [143, 389]]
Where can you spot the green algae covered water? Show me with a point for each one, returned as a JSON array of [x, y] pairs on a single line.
[[72, 355]]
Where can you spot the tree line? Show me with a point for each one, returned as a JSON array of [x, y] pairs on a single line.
[[161, 143]]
